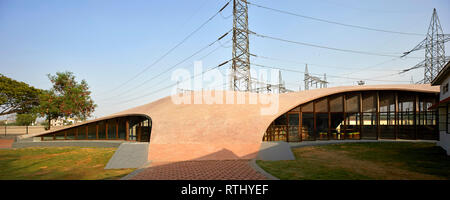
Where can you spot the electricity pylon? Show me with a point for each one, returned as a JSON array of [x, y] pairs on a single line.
[[434, 50], [241, 80], [314, 80]]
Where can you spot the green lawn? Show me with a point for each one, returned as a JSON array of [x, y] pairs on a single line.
[[380, 161], [58, 163]]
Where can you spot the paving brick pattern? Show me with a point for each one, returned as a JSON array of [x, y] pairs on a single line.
[[6, 143], [201, 170]]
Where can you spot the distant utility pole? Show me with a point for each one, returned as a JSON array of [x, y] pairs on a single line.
[[434, 50], [240, 78], [310, 80]]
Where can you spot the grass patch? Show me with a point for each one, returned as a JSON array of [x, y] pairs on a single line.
[[58, 163], [364, 161]]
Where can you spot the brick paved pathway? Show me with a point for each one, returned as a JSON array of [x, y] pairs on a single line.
[[6, 143], [201, 170]]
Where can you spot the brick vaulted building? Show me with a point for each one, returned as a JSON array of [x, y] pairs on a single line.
[[235, 130]]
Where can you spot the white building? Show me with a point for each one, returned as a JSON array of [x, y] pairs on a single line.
[[443, 79], [63, 122]]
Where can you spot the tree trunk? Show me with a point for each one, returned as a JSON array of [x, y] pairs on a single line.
[[49, 122]]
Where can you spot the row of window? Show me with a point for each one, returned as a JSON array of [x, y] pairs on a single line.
[[134, 128], [355, 116]]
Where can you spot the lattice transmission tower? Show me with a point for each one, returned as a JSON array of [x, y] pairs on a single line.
[[240, 77], [434, 50], [311, 81]]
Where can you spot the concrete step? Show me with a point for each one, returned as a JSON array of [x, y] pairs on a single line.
[[129, 155], [275, 151]]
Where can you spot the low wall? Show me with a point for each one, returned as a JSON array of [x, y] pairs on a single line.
[[71, 143], [22, 130]]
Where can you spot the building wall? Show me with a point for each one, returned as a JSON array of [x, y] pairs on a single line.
[[445, 94], [20, 130], [444, 137]]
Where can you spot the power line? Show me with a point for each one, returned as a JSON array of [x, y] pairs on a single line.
[[164, 80], [173, 66], [322, 47], [336, 23], [173, 48], [161, 89], [325, 66], [298, 71]]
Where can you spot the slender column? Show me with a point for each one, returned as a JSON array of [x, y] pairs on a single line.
[[96, 130], [378, 115], [149, 130], [76, 133], [139, 132], [127, 129], [416, 112], [361, 120], [344, 109], [65, 135], [117, 129], [287, 130], [300, 124], [314, 118], [87, 131], [329, 117], [106, 129], [396, 116]]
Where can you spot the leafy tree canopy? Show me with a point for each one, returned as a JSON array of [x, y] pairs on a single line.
[[17, 97], [25, 119], [67, 98]]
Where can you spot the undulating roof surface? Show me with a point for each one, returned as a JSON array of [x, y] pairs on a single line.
[[228, 130]]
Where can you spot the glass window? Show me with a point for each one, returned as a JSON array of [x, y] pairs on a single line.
[[293, 128], [146, 131], [122, 129], [387, 101], [443, 119], [352, 125], [369, 126], [60, 135], [322, 125], [81, 133], [281, 120], [47, 137], [369, 101], [296, 109], [352, 103], [111, 129], [307, 126], [337, 126], [101, 130], [92, 129], [70, 134], [307, 107], [336, 104], [321, 105]]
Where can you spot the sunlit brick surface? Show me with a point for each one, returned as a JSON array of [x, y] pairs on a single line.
[[201, 170]]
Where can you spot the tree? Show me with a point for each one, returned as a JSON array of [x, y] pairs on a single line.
[[25, 119], [66, 98], [17, 97]]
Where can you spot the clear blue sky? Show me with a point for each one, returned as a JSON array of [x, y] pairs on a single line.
[[106, 42]]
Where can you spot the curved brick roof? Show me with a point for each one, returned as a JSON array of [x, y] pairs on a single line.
[[223, 131]]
